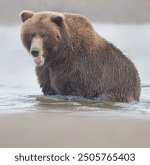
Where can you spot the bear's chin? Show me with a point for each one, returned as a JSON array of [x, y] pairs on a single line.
[[40, 64]]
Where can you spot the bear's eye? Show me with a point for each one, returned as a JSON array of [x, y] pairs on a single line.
[[33, 34]]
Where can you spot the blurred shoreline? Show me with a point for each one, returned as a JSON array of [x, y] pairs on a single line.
[[125, 11]]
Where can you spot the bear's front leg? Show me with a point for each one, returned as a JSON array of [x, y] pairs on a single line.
[[44, 80]]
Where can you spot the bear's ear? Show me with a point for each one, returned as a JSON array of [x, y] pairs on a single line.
[[57, 20], [24, 15]]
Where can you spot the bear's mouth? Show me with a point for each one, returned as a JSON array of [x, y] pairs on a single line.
[[39, 60]]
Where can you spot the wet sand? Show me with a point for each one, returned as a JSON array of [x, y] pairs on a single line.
[[57, 130]]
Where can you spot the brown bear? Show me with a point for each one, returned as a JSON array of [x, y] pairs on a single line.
[[72, 59]]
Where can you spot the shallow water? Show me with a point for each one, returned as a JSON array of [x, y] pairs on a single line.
[[19, 91]]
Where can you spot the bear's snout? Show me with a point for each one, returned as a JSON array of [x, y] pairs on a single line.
[[36, 50], [36, 46]]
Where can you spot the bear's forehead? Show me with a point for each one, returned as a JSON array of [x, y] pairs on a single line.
[[42, 17]]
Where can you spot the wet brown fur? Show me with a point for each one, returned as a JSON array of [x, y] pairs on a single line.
[[78, 61]]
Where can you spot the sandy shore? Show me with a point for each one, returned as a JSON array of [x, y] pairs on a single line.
[[58, 130]]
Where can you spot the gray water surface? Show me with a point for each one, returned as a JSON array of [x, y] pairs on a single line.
[[19, 90]]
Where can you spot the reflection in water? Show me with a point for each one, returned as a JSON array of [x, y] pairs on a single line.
[[86, 106], [19, 91]]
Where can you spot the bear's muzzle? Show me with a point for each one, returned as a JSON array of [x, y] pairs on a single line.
[[36, 50]]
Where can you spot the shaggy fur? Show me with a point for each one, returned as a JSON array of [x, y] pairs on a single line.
[[78, 61]]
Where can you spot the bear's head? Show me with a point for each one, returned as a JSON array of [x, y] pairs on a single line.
[[43, 33]]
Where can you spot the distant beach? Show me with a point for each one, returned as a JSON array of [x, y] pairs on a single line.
[[124, 11]]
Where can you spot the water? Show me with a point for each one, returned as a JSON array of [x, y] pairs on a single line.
[[20, 93]]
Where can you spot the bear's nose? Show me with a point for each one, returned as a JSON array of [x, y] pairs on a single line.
[[35, 52]]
